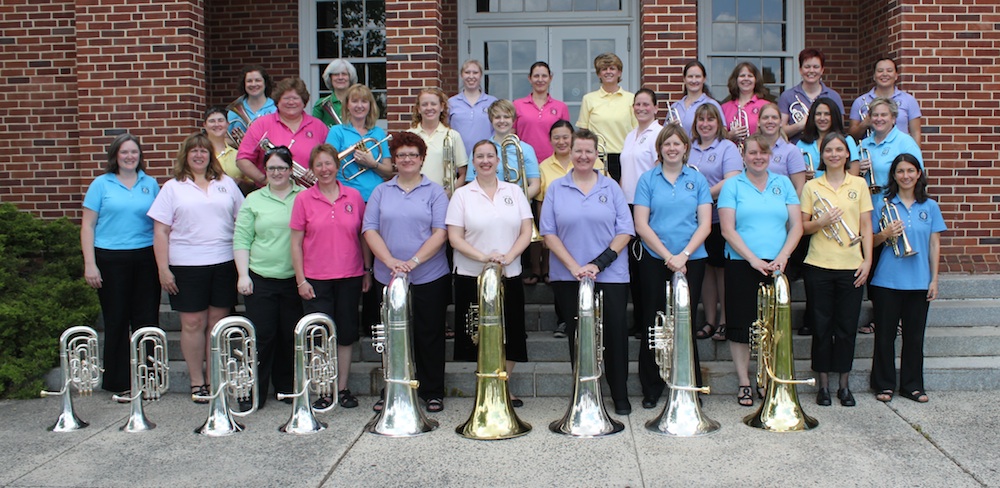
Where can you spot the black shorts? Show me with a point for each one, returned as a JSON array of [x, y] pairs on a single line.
[[199, 287], [715, 246], [340, 299]]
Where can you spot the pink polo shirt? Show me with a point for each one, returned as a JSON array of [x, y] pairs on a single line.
[[331, 248], [752, 109], [311, 133], [533, 123], [490, 225], [201, 222]]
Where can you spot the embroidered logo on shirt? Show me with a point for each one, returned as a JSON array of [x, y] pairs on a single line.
[[689, 185], [755, 110], [776, 159], [552, 111], [508, 201], [711, 158], [603, 199], [309, 134], [923, 216], [642, 139], [776, 190], [145, 190], [349, 208], [221, 189], [885, 151], [852, 195]]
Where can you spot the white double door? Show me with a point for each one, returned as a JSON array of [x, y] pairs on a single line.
[[507, 54]]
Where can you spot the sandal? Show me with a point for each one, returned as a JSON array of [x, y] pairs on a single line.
[[867, 329], [530, 280], [435, 405], [198, 391], [720, 333], [346, 399], [745, 398], [379, 405], [884, 396], [706, 331], [916, 395], [323, 402], [545, 278]]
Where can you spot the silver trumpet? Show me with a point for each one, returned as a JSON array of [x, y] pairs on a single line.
[[741, 120], [401, 415], [873, 187], [833, 231], [361, 146], [315, 372], [670, 339], [808, 158], [587, 415], [448, 164], [301, 175], [798, 110], [150, 368], [673, 116], [81, 368], [233, 367], [900, 245]]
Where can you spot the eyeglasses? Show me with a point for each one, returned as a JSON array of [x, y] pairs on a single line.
[[278, 169], [407, 155]]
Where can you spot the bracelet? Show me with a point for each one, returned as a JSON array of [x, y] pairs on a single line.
[[303, 282], [370, 269], [415, 260], [685, 253]]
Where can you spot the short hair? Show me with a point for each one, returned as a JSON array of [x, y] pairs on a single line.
[[294, 84], [713, 112], [605, 60], [827, 139], [416, 117], [471, 61], [339, 65], [810, 133], [674, 130], [759, 88], [920, 190], [647, 91], [888, 102], [501, 106], [181, 169], [362, 92], [539, 64], [761, 142], [115, 146], [561, 123], [811, 53], [323, 149], [215, 109], [885, 58], [282, 152], [480, 143], [704, 73], [402, 139], [585, 134], [263, 74]]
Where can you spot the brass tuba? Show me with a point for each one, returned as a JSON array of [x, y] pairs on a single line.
[[81, 368], [670, 338], [362, 146], [586, 415], [236, 134], [401, 415], [820, 208], [315, 372], [448, 164], [771, 341], [233, 373], [516, 175], [150, 369], [492, 415], [302, 176], [798, 110], [900, 245]]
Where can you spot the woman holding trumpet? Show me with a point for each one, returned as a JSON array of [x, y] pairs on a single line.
[[511, 150], [903, 286], [836, 267], [908, 118], [360, 169], [429, 121], [338, 76], [747, 94], [883, 145], [795, 102], [696, 94], [824, 119], [255, 84]]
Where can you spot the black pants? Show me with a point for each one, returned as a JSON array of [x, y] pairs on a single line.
[[615, 166], [636, 283], [130, 299], [466, 293], [835, 305], [275, 308], [742, 281], [655, 275], [615, 329], [891, 306]]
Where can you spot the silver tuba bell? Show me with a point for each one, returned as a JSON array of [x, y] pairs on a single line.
[[81, 369], [401, 415], [233, 366], [670, 339], [587, 415], [150, 369], [315, 372]]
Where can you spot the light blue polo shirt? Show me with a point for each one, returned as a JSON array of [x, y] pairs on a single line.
[[687, 114], [344, 136], [673, 208], [786, 159], [914, 272], [761, 216], [122, 222], [812, 148], [586, 224], [906, 105], [882, 153], [235, 121], [530, 161]]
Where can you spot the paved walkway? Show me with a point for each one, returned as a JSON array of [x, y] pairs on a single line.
[[951, 441]]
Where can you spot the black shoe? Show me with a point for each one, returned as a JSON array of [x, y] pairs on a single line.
[[649, 402], [846, 398], [287, 401], [623, 407], [823, 397], [805, 330], [517, 403], [560, 332], [346, 399], [245, 405]]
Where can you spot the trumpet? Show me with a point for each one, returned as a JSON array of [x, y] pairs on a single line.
[[150, 369], [363, 146], [448, 164], [302, 176], [80, 364], [900, 245], [808, 158], [516, 175], [863, 111], [328, 107], [315, 372], [798, 110], [820, 207], [236, 134], [873, 187], [673, 116], [741, 120], [233, 367]]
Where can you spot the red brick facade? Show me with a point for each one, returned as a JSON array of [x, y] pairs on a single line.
[[78, 72]]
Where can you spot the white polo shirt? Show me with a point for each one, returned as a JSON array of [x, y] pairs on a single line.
[[201, 223], [490, 225]]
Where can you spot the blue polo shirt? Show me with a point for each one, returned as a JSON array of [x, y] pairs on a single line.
[[235, 121], [882, 153], [530, 161], [761, 216], [812, 148], [673, 208], [786, 159], [586, 224], [122, 222], [687, 114], [344, 136], [914, 272]]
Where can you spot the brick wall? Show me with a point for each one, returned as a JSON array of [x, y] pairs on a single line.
[[450, 62], [415, 63], [669, 40], [832, 26]]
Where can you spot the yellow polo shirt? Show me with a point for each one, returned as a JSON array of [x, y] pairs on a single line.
[[610, 115], [854, 199]]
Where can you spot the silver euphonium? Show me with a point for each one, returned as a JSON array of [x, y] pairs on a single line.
[[670, 339], [587, 415], [315, 372], [81, 368], [900, 245], [304, 177], [492, 416], [401, 415], [233, 371], [150, 369], [516, 175], [822, 206], [798, 110], [236, 134], [448, 164]]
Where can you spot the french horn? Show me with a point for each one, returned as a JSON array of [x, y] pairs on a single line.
[[233, 371], [149, 366], [316, 372], [80, 364]]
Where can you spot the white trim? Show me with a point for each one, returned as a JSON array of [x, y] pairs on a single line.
[[307, 50]]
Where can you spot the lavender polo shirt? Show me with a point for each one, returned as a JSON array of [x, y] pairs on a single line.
[[331, 247], [405, 221], [687, 114], [720, 157], [905, 103], [533, 124], [471, 120], [201, 222], [786, 159], [586, 224], [788, 97]]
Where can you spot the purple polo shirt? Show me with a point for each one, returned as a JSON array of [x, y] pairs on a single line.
[[687, 114], [331, 247], [405, 221], [907, 105], [786, 159], [532, 124], [311, 133], [471, 120], [721, 157], [586, 224], [788, 96]]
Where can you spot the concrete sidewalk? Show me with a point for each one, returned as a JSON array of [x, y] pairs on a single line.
[[951, 441]]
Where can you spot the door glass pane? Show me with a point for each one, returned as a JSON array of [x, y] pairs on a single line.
[[584, 5], [524, 54], [574, 54], [534, 5], [496, 56], [498, 86], [600, 46], [560, 5], [749, 10]]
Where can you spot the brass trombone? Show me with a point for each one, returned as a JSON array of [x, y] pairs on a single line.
[[516, 175], [80, 364], [150, 370], [900, 245], [302, 176], [821, 206], [798, 110], [375, 149], [448, 164]]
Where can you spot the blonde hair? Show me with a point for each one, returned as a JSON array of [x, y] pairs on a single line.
[[181, 169], [416, 118], [359, 91], [605, 60]]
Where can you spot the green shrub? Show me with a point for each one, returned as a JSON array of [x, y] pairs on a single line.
[[41, 294]]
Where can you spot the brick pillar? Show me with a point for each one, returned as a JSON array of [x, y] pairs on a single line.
[[668, 40], [140, 68], [414, 54]]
